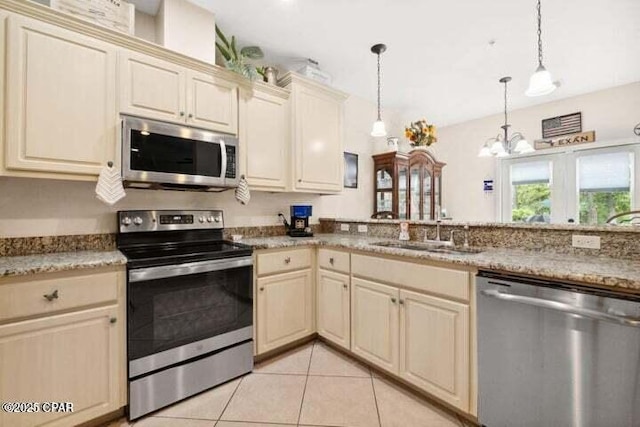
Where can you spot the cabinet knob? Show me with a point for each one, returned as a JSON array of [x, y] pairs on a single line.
[[181, 113], [345, 286], [190, 116], [299, 180], [262, 288], [287, 260], [401, 302], [113, 320], [331, 261], [393, 300], [50, 297]]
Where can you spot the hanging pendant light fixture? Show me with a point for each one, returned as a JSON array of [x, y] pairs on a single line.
[[541, 82], [379, 128], [503, 145]]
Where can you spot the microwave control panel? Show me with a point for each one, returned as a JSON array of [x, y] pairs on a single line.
[[231, 162]]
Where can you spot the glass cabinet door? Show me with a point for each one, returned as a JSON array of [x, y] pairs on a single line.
[[438, 197], [402, 192], [426, 195], [384, 201], [384, 179], [414, 187]]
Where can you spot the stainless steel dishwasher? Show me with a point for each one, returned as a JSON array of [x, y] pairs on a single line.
[[555, 355]]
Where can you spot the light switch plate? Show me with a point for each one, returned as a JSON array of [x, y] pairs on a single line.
[[344, 227], [587, 242], [362, 228]]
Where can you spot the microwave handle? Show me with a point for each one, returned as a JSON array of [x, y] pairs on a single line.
[[223, 155]]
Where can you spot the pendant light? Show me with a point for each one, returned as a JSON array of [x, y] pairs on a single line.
[[503, 145], [541, 82], [379, 128]]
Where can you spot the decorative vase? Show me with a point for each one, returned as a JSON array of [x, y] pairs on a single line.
[[419, 148]]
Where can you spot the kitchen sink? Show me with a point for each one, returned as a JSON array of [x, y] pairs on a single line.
[[428, 247]]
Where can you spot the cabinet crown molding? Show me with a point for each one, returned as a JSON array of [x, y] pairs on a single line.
[[293, 77], [270, 89]]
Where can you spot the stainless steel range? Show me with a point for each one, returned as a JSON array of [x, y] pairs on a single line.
[[190, 305]]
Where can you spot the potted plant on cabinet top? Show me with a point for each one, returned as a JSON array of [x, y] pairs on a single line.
[[237, 61], [421, 134]]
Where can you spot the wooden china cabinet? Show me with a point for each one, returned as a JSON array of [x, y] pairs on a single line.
[[407, 185]]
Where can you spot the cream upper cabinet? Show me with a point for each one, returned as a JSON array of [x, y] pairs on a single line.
[[212, 103], [374, 323], [60, 100], [333, 307], [151, 87], [264, 137], [161, 90], [317, 135], [284, 309], [434, 346]]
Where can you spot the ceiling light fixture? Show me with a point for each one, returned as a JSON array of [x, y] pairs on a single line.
[[379, 128], [502, 145], [541, 82]]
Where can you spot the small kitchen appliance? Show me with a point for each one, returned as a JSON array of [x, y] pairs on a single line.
[[189, 306], [299, 226]]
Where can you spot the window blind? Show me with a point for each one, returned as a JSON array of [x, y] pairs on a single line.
[[531, 173], [605, 172]]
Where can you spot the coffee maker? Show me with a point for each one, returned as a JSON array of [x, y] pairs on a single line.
[[299, 226]]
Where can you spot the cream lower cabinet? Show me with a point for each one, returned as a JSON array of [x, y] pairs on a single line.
[[333, 307], [284, 309], [60, 101], [69, 347], [264, 137], [162, 90], [374, 323], [434, 346]]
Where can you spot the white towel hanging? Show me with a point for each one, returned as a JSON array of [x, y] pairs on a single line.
[[109, 188], [243, 195]]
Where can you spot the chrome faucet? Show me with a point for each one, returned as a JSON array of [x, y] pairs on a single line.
[[451, 241]]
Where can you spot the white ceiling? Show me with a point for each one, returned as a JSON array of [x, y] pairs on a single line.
[[439, 63]]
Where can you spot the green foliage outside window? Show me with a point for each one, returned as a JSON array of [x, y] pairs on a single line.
[[596, 207], [530, 200]]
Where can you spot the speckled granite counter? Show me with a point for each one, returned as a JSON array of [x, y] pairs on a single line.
[[47, 263], [600, 271]]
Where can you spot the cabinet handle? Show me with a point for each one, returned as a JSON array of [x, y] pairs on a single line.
[[113, 320], [393, 300], [287, 260], [262, 288], [331, 261], [53, 295], [181, 113]]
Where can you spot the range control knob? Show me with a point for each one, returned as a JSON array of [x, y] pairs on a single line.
[[201, 219], [209, 218], [137, 220], [217, 219], [126, 221]]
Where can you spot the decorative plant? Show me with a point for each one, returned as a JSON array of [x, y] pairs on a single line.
[[420, 133], [237, 61]]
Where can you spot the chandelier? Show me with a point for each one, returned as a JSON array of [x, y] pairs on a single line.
[[503, 145]]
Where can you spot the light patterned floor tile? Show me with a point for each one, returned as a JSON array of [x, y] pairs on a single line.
[[295, 361], [121, 422], [243, 424], [173, 422], [327, 361], [401, 408], [267, 398], [339, 401], [207, 406]]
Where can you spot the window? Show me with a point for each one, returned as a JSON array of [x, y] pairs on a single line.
[[584, 185]]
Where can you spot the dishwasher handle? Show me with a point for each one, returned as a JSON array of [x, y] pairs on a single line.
[[563, 307]]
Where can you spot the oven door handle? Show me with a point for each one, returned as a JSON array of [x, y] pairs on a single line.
[[223, 156], [563, 307], [164, 271]]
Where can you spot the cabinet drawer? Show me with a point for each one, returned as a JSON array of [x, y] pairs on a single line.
[[25, 296], [425, 278], [334, 260], [276, 262]]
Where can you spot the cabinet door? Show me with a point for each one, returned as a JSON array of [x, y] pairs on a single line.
[[151, 87], [374, 323], [212, 103], [61, 106], [434, 346], [285, 309], [76, 357], [264, 139], [317, 144], [333, 307]]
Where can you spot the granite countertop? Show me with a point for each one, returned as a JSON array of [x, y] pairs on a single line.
[[60, 261], [610, 272]]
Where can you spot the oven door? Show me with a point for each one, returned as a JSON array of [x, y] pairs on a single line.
[[166, 153], [178, 312]]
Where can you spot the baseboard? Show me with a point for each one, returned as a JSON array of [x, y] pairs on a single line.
[[277, 351]]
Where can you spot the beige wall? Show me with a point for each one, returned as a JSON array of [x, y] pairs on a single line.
[[32, 207], [612, 113]]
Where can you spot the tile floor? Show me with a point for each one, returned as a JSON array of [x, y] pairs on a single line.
[[313, 385]]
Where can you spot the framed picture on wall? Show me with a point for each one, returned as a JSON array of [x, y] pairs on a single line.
[[350, 170]]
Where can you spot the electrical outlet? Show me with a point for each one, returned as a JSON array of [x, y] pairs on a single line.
[[588, 242], [362, 228], [344, 227]]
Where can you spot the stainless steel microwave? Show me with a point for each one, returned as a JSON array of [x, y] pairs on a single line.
[[172, 156]]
